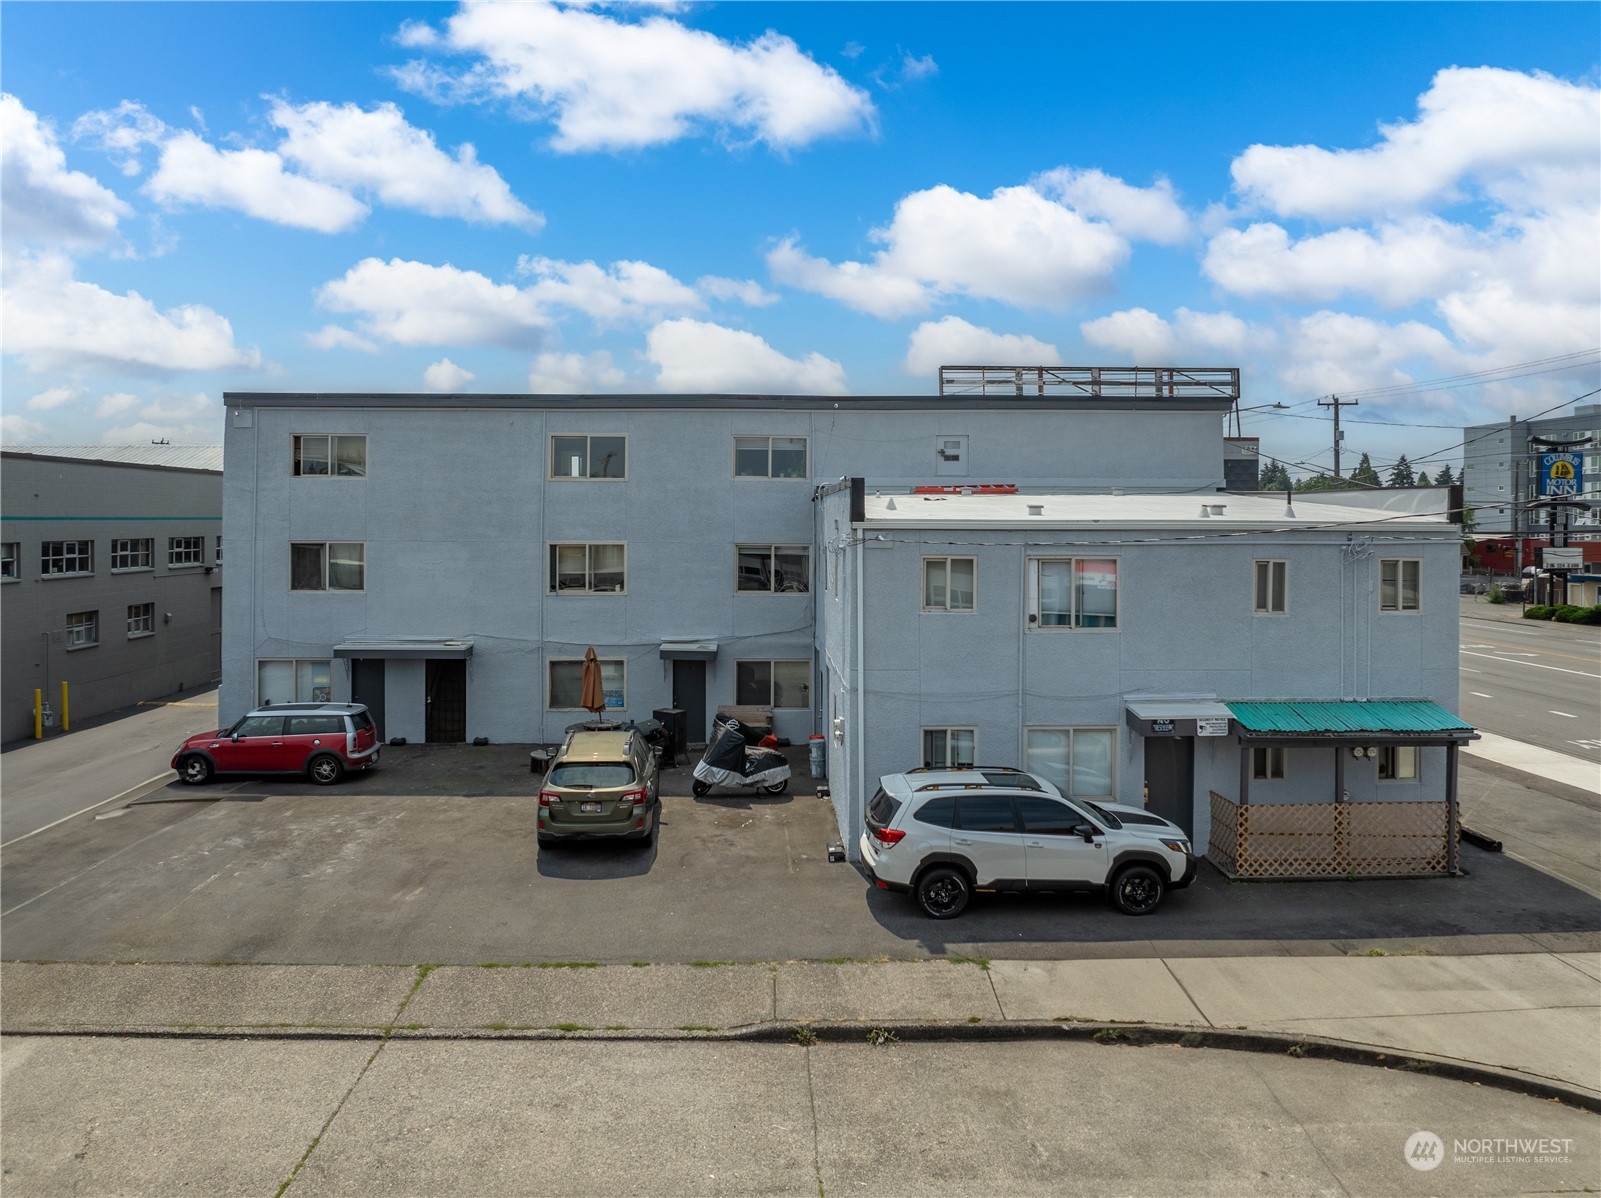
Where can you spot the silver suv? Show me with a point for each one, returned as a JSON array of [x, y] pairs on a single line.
[[943, 834]]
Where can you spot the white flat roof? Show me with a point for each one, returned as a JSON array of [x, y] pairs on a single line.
[[1202, 510]]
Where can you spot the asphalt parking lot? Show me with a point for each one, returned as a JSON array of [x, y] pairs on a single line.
[[431, 858]]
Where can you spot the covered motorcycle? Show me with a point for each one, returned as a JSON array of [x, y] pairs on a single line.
[[730, 760]]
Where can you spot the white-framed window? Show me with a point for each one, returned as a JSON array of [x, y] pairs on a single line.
[[1267, 763], [141, 619], [573, 456], [83, 629], [949, 746], [66, 557], [769, 457], [1079, 762], [773, 683], [1398, 763], [133, 553], [1398, 584], [302, 680], [1072, 592], [950, 583], [186, 551], [588, 569], [566, 691], [219, 551], [323, 455], [10, 561], [1272, 588], [770, 569], [327, 566]]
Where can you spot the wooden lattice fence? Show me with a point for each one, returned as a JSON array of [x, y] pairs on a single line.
[[1323, 840]]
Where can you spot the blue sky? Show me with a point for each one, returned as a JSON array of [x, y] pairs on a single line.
[[1362, 199]]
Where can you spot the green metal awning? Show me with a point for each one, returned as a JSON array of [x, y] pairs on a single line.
[[1403, 718]]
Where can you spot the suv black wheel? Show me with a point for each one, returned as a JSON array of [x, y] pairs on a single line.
[[1137, 890], [325, 770], [943, 892], [194, 770]]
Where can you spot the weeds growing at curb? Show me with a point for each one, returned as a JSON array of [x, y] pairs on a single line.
[[710, 964], [1399, 952], [805, 1037], [1191, 1040], [571, 1027], [1298, 1049], [697, 1027], [567, 965], [881, 1036], [982, 962]]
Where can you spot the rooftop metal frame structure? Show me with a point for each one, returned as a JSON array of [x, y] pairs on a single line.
[[1094, 382]]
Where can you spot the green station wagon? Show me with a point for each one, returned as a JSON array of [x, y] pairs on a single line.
[[602, 783]]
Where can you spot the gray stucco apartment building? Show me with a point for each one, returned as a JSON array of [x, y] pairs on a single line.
[[110, 576], [448, 560]]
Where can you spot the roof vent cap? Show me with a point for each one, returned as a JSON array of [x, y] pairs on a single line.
[[1036, 509]]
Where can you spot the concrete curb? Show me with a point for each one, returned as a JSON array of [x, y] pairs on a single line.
[[874, 1034]]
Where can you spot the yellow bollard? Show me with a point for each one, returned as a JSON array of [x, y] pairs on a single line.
[[64, 707], [38, 714]]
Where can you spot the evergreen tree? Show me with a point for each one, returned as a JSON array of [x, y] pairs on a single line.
[[1364, 474], [1401, 473], [1274, 477], [1423, 479], [1320, 482], [1444, 478]]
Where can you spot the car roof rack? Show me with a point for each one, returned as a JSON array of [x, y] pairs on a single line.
[[1000, 775]]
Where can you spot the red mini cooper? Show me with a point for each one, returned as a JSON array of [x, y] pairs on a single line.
[[320, 740]]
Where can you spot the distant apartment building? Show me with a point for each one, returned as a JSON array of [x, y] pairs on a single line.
[[110, 576], [1500, 470]]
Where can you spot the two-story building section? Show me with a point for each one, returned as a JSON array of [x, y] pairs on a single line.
[[447, 560], [1500, 470], [110, 576]]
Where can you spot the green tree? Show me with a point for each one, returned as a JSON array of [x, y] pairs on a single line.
[[1444, 478], [1364, 474], [1423, 479], [1320, 482], [1401, 473], [1274, 477]]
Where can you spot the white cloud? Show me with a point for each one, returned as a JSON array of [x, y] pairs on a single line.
[[1150, 340], [378, 152], [15, 430], [53, 398], [1529, 139], [692, 355], [1503, 325], [613, 84], [914, 67], [952, 341], [116, 404], [413, 303], [1397, 265], [445, 375], [334, 336], [55, 321], [1016, 246], [180, 407], [574, 374], [1336, 351], [122, 132], [1143, 213], [627, 291], [41, 201], [253, 181], [746, 291]]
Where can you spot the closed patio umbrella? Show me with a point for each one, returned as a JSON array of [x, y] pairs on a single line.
[[594, 694]]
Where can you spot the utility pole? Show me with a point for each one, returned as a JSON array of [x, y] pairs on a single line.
[[1335, 402]]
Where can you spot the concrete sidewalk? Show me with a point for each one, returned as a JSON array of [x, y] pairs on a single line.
[[1527, 1017]]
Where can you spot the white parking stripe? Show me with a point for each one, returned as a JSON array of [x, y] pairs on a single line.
[[1512, 661], [164, 776]]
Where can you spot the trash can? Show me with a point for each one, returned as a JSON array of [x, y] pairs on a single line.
[[819, 751], [676, 722]]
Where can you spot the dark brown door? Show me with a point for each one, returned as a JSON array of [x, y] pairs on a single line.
[[447, 702], [367, 686], [1170, 775], [689, 695]]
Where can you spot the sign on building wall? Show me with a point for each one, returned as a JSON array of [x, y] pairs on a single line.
[[1561, 474], [1212, 726]]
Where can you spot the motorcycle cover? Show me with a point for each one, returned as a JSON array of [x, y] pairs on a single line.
[[728, 761]]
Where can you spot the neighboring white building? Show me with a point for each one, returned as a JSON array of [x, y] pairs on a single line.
[[110, 559], [1499, 464]]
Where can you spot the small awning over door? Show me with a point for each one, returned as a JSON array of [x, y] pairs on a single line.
[[689, 650], [1178, 717], [414, 647]]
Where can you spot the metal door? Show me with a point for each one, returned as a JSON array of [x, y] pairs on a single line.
[[689, 696], [1170, 779], [367, 686], [447, 702]]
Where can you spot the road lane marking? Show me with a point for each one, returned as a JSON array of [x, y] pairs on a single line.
[[1481, 695], [167, 775], [1465, 670], [1568, 714], [1512, 661]]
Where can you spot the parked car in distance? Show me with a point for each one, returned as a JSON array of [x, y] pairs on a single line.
[[601, 783], [942, 835], [323, 741]]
